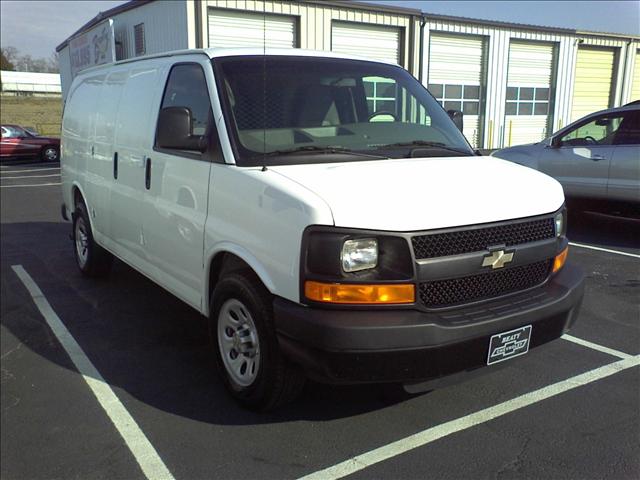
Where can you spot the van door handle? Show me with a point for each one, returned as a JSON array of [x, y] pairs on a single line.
[[147, 174], [596, 157], [115, 165]]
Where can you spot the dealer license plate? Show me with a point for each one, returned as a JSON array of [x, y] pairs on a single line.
[[506, 345]]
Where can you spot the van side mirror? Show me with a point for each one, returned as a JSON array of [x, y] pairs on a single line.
[[555, 142], [456, 116], [175, 130]]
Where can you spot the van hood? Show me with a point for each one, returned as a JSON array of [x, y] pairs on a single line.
[[427, 193]]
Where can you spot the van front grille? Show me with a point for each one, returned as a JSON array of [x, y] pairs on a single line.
[[443, 293], [478, 239]]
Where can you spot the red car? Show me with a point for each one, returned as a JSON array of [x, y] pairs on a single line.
[[18, 142]]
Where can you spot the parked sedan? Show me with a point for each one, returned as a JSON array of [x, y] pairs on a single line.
[[18, 142], [596, 157]]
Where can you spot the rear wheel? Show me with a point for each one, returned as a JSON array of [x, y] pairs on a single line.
[[246, 347], [50, 154], [91, 258]]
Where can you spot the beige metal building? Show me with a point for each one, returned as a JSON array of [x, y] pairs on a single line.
[[515, 83]]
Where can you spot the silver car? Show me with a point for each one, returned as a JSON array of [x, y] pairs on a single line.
[[596, 157]]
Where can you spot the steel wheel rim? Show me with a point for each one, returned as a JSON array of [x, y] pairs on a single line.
[[82, 242], [50, 154], [238, 342]]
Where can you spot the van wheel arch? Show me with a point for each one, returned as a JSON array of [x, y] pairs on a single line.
[[222, 264], [77, 197]]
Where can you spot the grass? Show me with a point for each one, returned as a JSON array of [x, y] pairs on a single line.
[[42, 113]]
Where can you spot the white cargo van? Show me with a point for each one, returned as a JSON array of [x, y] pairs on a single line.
[[324, 213]]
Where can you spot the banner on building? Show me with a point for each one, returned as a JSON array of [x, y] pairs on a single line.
[[94, 47]]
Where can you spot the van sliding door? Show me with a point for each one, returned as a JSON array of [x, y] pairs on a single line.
[[134, 139]]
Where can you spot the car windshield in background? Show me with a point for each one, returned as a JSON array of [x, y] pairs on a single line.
[[289, 110], [13, 131]]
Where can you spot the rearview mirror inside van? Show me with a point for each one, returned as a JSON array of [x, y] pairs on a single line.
[[175, 130]]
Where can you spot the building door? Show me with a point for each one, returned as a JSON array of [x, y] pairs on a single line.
[[457, 78], [635, 82], [592, 89], [369, 41], [529, 93], [249, 29]]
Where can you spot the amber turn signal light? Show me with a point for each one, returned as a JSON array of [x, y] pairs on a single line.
[[560, 260], [359, 294]]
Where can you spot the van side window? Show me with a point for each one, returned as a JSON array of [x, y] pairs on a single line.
[[187, 90]]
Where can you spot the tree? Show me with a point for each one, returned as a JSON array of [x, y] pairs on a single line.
[[5, 64], [53, 64], [9, 56]]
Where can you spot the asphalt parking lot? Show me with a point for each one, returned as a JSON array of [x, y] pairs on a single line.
[[570, 409]]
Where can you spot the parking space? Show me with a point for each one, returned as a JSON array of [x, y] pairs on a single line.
[[564, 410]]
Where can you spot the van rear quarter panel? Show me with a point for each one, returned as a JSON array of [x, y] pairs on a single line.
[[101, 169], [78, 129], [260, 216]]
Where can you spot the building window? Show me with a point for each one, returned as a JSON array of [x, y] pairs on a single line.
[[465, 98], [527, 101], [138, 36], [381, 94]]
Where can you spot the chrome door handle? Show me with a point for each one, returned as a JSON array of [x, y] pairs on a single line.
[[597, 157]]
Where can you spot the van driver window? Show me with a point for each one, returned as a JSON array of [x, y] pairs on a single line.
[[187, 87]]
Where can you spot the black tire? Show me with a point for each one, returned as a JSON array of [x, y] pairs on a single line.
[[276, 382], [50, 153], [92, 260]]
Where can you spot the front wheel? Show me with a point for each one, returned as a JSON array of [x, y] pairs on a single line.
[[91, 258], [50, 154], [246, 347]]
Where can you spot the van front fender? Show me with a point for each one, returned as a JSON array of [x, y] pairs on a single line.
[[244, 255]]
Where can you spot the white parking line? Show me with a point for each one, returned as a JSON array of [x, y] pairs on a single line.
[[35, 185], [595, 346], [608, 250], [31, 164], [432, 434], [144, 453], [30, 176], [30, 170]]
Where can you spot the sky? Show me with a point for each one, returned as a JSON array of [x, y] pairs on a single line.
[[36, 27], [600, 16]]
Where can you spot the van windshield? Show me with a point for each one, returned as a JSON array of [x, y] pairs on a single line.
[[291, 110]]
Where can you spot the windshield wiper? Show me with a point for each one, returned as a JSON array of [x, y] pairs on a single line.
[[424, 143], [317, 149]]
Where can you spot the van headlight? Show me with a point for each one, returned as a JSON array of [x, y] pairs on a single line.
[[360, 254]]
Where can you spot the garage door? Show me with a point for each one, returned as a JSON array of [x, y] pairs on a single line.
[[370, 41], [635, 82], [529, 83], [594, 76], [242, 29], [457, 78]]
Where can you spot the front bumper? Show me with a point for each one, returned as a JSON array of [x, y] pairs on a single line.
[[409, 346]]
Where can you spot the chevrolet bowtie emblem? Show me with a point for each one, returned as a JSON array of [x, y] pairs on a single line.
[[497, 259]]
